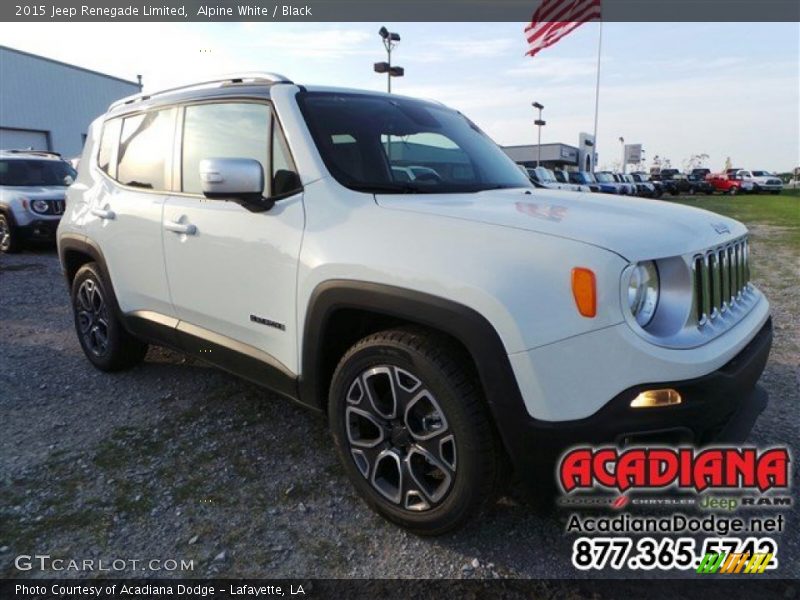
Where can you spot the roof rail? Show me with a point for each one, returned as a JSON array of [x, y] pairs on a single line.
[[32, 151], [256, 77]]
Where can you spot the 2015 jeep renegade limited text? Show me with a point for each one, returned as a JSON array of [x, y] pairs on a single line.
[[448, 325]]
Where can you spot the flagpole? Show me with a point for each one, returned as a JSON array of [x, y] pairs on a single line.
[[597, 97]]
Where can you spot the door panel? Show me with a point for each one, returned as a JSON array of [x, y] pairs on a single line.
[[126, 222], [236, 275], [131, 243], [232, 272]]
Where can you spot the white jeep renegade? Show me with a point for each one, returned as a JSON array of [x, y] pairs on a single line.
[[448, 325]]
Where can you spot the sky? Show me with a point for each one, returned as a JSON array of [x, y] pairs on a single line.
[[679, 89]]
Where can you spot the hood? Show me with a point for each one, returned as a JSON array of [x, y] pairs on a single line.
[[636, 229], [36, 191]]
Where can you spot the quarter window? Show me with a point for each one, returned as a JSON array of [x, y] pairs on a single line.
[[108, 147], [145, 149], [226, 130]]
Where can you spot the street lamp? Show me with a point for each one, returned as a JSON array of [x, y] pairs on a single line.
[[622, 141], [539, 123], [390, 40]]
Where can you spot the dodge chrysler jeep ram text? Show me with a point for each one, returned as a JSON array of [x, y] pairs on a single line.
[[447, 324]]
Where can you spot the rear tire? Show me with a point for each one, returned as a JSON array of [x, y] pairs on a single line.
[[10, 242], [104, 340], [412, 430]]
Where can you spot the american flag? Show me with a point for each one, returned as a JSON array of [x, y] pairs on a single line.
[[556, 18]]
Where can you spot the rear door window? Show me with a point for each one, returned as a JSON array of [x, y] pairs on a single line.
[[145, 149]]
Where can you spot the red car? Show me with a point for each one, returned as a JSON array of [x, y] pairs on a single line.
[[728, 184]]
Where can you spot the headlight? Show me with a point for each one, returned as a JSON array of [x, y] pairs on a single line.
[[40, 206], [643, 292]]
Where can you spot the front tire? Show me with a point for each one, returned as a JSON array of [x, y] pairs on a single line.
[[412, 430], [104, 340], [10, 242]]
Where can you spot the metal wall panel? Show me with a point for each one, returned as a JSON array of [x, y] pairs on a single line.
[[23, 139], [39, 94]]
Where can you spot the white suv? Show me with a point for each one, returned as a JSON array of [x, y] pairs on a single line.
[[447, 326], [32, 187]]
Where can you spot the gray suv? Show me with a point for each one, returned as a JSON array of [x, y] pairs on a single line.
[[32, 188]]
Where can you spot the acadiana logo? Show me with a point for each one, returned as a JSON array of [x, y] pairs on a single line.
[[684, 468]]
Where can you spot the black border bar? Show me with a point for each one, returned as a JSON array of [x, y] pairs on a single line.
[[708, 587], [715, 11]]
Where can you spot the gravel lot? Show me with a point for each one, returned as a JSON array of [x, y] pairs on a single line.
[[176, 460]]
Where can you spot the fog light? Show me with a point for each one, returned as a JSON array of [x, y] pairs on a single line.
[[655, 398]]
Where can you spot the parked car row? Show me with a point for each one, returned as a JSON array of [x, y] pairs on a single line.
[[666, 181]]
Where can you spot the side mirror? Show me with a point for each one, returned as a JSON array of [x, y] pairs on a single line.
[[238, 179]]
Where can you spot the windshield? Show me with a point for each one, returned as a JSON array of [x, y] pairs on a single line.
[[604, 177], [545, 175], [761, 173], [25, 173], [371, 143]]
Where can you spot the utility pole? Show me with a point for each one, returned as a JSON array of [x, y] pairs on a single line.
[[622, 142], [539, 124], [390, 40]]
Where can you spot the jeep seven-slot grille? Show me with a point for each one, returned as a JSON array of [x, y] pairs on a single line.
[[721, 275]]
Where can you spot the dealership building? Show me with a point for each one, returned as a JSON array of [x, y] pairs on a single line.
[[48, 105], [555, 156]]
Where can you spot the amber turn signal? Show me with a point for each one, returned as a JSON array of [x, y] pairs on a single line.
[[584, 290], [656, 398]]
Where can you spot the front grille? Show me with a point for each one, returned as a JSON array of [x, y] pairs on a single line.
[[721, 276], [57, 207], [774, 182]]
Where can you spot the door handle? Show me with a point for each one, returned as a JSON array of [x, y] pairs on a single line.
[[104, 213], [185, 228]]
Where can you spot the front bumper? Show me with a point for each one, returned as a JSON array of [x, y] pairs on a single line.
[[720, 406], [43, 230]]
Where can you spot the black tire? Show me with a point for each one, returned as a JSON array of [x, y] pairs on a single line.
[[104, 340], [756, 188], [434, 379], [775, 192], [10, 242]]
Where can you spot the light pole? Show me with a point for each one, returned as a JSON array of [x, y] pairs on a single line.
[[390, 40], [539, 123], [622, 142]]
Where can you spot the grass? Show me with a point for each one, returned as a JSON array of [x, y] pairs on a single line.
[[776, 211]]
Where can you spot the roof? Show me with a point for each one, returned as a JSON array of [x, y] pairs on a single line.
[[253, 85], [63, 64], [548, 145]]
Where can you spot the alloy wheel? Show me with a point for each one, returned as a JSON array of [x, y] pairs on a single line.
[[92, 313], [399, 438]]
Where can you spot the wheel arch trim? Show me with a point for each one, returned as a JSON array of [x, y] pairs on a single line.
[[478, 336]]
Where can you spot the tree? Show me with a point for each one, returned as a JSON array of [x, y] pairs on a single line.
[[696, 161]]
